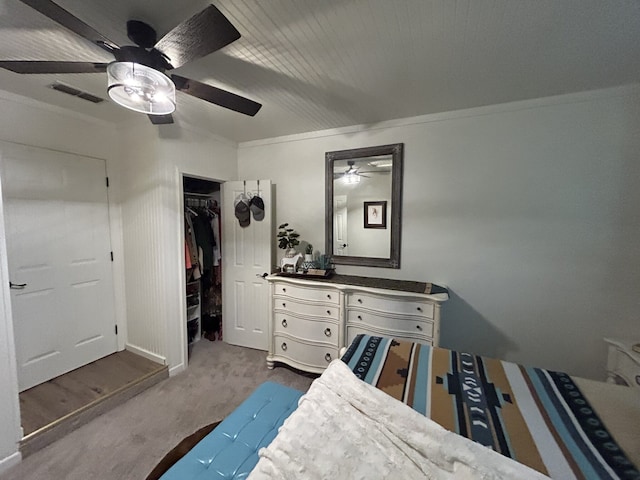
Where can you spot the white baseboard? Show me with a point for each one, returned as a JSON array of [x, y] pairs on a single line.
[[10, 461], [177, 369], [146, 354]]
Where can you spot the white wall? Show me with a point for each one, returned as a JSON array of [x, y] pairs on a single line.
[[27, 122], [527, 211], [151, 177]]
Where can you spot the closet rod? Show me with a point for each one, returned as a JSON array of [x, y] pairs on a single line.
[[198, 195]]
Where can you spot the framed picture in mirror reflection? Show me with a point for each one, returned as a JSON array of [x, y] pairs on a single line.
[[375, 214]]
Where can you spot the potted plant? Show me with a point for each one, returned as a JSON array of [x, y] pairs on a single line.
[[308, 253], [288, 239], [308, 258]]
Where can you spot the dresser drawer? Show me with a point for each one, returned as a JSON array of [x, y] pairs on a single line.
[[395, 306], [303, 353], [354, 330], [402, 326], [310, 294], [283, 304], [312, 330]]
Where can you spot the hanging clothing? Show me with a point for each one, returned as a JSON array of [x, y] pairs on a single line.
[[215, 228], [190, 239], [187, 257], [204, 238]]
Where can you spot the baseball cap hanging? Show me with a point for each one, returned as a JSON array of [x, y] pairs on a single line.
[[242, 212], [257, 208]]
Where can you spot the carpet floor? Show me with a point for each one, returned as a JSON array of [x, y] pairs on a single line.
[[128, 442]]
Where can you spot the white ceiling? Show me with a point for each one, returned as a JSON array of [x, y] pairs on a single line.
[[318, 64]]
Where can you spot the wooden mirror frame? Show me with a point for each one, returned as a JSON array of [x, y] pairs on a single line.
[[396, 152]]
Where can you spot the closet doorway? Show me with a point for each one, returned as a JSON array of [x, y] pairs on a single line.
[[202, 260]]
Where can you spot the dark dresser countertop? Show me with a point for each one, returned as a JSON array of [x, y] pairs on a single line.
[[372, 282]]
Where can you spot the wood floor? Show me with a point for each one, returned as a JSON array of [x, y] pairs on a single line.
[[53, 408]]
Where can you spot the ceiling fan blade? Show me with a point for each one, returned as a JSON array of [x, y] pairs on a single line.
[[53, 67], [200, 35], [77, 26], [216, 95], [161, 119]]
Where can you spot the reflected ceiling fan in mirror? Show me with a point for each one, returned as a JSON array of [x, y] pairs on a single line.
[[137, 78], [352, 174]]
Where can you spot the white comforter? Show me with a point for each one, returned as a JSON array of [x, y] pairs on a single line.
[[347, 429]]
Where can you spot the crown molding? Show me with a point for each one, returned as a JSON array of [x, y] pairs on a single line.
[[579, 97]]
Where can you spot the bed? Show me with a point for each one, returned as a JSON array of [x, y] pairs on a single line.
[[562, 426], [396, 409]]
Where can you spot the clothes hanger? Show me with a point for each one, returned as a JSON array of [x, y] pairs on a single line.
[[192, 212]]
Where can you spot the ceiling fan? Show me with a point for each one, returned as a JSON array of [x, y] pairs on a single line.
[[352, 174], [136, 78]]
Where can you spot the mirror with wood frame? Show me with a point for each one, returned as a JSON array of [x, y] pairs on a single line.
[[363, 206]]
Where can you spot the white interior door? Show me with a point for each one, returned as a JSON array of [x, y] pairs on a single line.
[[340, 239], [246, 257], [59, 255]]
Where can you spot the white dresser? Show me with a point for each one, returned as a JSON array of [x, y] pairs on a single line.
[[311, 320]]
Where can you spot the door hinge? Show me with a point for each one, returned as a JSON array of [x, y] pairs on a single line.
[[107, 179], [111, 256], [116, 329]]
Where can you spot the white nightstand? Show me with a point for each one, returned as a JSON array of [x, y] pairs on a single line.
[[623, 363]]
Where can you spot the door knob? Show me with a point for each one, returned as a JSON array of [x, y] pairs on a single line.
[[17, 286], [264, 275]]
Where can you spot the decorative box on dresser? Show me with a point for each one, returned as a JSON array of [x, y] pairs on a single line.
[[313, 318]]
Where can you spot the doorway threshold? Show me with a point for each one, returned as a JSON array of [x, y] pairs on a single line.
[[55, 408]]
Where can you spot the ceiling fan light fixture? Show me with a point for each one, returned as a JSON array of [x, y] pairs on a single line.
[[351, 178], [141, 88]]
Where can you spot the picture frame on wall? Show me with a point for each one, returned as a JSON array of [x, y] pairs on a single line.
[[375, 214]]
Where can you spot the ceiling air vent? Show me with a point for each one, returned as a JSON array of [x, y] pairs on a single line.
[[61, 87]]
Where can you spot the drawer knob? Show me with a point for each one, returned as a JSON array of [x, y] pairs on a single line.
[[284, 305], [284, 290], [328, 312], [328, 296], [419, 309], [284, 322], [359, 317], [327, 357], [284, 346], [419, 327], [327, 332], [359, 300]]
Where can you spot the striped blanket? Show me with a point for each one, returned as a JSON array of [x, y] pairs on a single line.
[[537, 417]]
